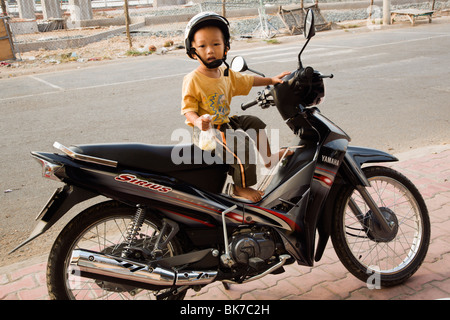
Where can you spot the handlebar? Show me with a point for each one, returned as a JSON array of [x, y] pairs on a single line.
[[264, 99], [300, 77], [308, 72], [250, 104]]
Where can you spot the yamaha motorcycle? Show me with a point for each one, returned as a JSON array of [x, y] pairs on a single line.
[[166, 229]]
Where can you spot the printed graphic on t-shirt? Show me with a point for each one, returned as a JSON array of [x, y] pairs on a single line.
[[220, 107]]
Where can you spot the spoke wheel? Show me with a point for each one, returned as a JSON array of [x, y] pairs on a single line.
[[367, 251], [102, 228]]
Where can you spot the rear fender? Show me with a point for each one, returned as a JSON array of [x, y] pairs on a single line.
[[58, 205], [349, 174]]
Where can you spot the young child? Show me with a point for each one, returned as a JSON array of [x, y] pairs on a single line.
[[209, 89]]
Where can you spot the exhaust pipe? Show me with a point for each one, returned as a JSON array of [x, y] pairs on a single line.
[[104, 265]]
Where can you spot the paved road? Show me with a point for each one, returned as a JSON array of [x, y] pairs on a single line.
[[391, 91]]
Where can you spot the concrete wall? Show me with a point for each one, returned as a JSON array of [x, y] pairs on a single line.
[[26, 9], [164, 3], [23, 26], [51, 9]]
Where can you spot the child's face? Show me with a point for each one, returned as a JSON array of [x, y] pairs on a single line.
[[209, 43]]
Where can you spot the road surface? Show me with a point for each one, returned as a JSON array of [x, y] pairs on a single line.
[[390, 91]]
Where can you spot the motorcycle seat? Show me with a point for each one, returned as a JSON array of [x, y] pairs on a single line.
[[183, 162], [156, 158]]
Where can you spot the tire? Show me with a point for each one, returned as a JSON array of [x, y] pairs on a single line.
[[377, 258], [101, 228]]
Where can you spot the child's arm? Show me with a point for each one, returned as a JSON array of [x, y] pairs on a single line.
[[260, 81], [202, 123]]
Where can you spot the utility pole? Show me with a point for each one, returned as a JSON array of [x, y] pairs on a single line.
[[386, 12], [3, 3], [127, 22], [223, 8]]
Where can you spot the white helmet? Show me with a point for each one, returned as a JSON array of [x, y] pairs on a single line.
[[206, 19]]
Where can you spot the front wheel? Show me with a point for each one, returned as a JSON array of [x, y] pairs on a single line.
[[384, 258]]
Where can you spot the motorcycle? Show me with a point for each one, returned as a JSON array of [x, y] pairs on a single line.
[[165, 228]]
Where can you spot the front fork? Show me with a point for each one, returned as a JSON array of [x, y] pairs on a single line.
[[361, 185]]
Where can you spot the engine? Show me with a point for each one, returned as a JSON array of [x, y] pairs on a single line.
[[252, 247]]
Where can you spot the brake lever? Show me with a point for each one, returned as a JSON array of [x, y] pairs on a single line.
[[266, 98]]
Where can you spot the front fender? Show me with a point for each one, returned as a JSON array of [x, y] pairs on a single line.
[[363, 155], [349, 173], [58, 205]]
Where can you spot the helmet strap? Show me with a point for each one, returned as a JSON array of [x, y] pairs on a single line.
[[225, 73], [214, 64]]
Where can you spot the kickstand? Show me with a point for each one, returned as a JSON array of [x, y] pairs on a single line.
[[226, 285], [172, 292]]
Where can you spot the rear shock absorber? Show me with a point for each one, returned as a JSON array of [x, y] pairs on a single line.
[[133, 231]]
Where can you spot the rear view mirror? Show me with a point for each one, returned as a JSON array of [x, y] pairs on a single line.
[[309, 29], [238, 64]]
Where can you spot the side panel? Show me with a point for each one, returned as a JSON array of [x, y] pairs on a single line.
[[326, 144]]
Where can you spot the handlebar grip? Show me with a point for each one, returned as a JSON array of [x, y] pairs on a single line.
[[250, 104]]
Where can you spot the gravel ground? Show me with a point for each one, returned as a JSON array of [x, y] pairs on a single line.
[[158, 39]]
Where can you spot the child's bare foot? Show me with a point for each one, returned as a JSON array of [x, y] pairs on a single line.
[[275, 157], [248, 193]]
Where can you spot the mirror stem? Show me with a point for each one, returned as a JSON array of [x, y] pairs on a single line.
[[258, 73], [300, 65]]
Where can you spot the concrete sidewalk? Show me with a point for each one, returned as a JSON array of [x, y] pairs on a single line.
[[428, 168]]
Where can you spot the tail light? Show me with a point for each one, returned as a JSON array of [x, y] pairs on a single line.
[[49, 169]]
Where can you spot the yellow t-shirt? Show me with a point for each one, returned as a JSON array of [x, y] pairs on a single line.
[[205, 95]]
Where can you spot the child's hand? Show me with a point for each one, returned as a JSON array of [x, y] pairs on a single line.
[[260, 81], [277, 79], [203, 122]]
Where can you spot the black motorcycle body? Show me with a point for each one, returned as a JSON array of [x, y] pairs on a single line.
[[223, 238]]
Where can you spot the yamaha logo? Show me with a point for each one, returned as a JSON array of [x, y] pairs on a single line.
[[330, 160]]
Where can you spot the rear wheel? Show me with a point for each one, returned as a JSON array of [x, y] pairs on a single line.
[[102, 228], [368, 252]]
